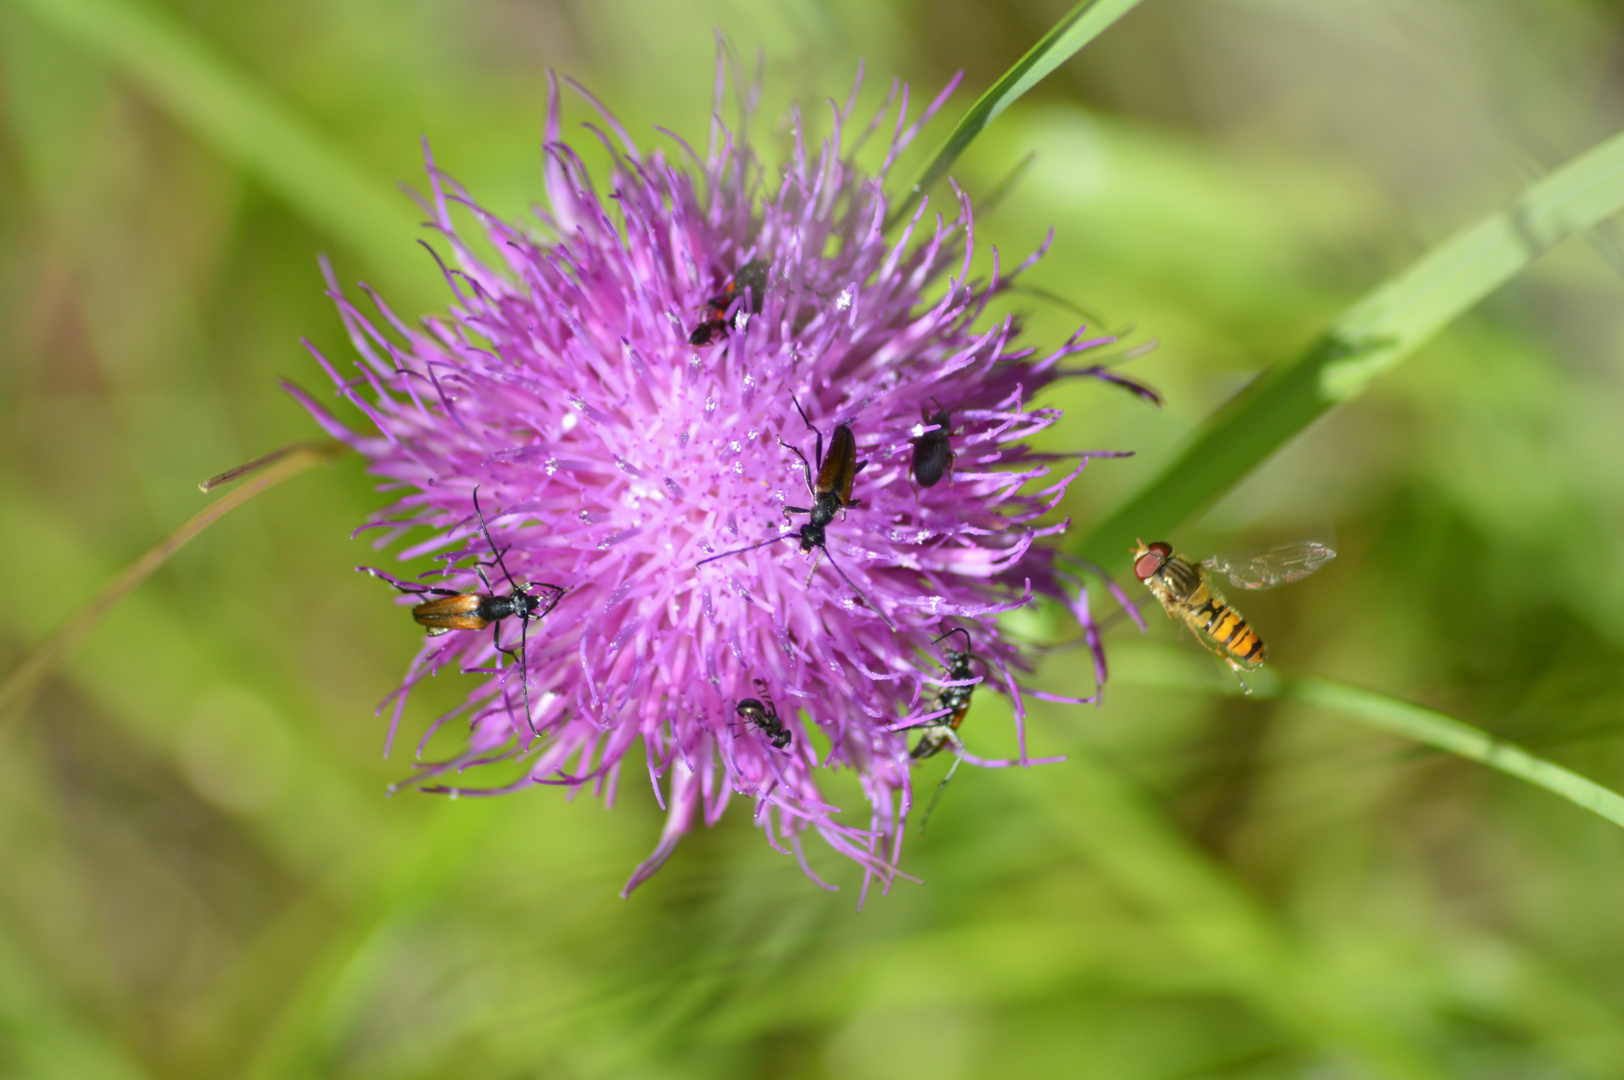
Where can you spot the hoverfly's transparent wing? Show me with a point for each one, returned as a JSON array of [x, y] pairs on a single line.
[[1273, 566]]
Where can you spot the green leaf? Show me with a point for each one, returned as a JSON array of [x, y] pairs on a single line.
[[1077, 28], [241, 121], [1374, 335]]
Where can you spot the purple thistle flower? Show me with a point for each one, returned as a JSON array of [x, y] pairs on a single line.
[[615, 458]]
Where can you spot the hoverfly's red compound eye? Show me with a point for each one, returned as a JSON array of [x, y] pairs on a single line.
[[1151, 560]]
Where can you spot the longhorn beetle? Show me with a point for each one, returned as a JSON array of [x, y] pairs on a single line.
[[831, 493], [450, 610], [752, 277], [943, 731]]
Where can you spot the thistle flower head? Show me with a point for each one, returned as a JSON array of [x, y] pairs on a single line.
[[625, 389]]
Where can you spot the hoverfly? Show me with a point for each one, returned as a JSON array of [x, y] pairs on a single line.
[[938, 734], [933, 451], [751, 278], [1187, 593], [450, 610], [831, 493], [762, 714]]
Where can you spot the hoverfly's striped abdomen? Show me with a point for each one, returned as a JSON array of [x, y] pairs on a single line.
[[1228, 633]]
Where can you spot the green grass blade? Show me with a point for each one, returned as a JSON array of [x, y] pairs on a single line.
[[1077, 28], [1374, 335], [1184, 669], [19, 688], [241, 121], [1446, 733]]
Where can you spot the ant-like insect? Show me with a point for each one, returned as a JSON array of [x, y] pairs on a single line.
[[451, 610], [751, 278], [942, 732], [933, 451], [763, 715], [831, 493]]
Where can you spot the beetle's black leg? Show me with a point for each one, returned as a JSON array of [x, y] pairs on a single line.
[[524, 677], [802, 411], [496, 639], [410, 589], [951, 769], [816, 433], [805, 465]]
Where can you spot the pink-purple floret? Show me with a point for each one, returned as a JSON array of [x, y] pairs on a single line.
[[611, 456]]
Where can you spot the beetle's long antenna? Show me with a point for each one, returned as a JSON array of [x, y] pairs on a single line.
[[748, 547], [956, 630], [808, 468], [864, 596]]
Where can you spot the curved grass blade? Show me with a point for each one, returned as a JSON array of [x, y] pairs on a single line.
[[231, 476], [1374, 335], [1077, 28], [1184, 670], [241, 121], [1446, 733], [24, 683]]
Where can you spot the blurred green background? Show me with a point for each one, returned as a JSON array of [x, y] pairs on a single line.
[[200, 875]]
